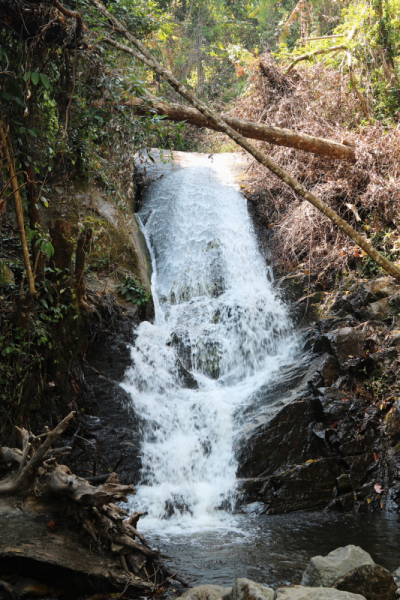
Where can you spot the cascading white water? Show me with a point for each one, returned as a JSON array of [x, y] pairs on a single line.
[[219, 334]]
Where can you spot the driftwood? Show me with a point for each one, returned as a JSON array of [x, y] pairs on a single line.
[[52, 518], [256, 131]]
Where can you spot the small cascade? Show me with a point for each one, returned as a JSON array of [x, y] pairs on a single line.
[[220, 333]]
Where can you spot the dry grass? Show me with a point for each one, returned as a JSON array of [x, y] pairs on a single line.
[[318, 101]]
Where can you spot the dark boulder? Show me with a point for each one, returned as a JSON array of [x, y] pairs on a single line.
[[301, 487], [371, 581]]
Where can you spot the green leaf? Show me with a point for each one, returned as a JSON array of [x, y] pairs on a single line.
[[45, 81], [27, 75], [35, 78], [22, 129]]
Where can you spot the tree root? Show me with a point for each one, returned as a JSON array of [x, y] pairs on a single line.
[[52, 502]]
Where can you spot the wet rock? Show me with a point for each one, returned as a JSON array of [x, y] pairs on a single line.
[[323, 571], [254, 508], [249, 489], [344, 484], [244, 589], [298, 592], [330, 369], [280, 440], [344, 503], [382, 361], [367, 499], [341, 305], [207, 592], [392, 421], [334, 405], [112, 440], [302, 487], [372, 581], [329, 323], [346, 343]]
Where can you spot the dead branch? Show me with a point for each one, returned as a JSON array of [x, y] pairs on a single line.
[[257, 131], [25, 477], [314, 53], [64, 483], [147, 58]]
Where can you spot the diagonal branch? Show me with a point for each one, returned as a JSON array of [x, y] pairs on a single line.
[[146, 57], [27, 474], [318, 51], [256, 131]]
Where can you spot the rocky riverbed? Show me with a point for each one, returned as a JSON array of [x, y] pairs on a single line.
[[347, 573]]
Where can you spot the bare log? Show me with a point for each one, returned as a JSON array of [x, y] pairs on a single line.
[[26, 532], [143, 54], [64, 483], [256, 131]]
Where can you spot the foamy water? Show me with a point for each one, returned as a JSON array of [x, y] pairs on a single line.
[[220, 333]]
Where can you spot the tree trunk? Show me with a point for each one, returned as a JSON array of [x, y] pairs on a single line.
[[257, 131]]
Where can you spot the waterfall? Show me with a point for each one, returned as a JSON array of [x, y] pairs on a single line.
[[220, 333]]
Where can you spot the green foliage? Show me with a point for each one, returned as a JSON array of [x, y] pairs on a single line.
[[374, 48], [134, 291]]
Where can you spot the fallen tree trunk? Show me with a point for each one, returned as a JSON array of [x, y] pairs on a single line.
[[144, 56], [256, 131], [53, 522]]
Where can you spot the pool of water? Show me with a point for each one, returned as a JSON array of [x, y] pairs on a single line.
[[275, 550]]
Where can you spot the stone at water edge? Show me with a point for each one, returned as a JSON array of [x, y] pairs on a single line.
[[207, 592], [245, 589], [323, 571], [372, 581], [396, 577], [299, 592]]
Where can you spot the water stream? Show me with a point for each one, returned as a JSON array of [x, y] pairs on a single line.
[[220, 333]]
